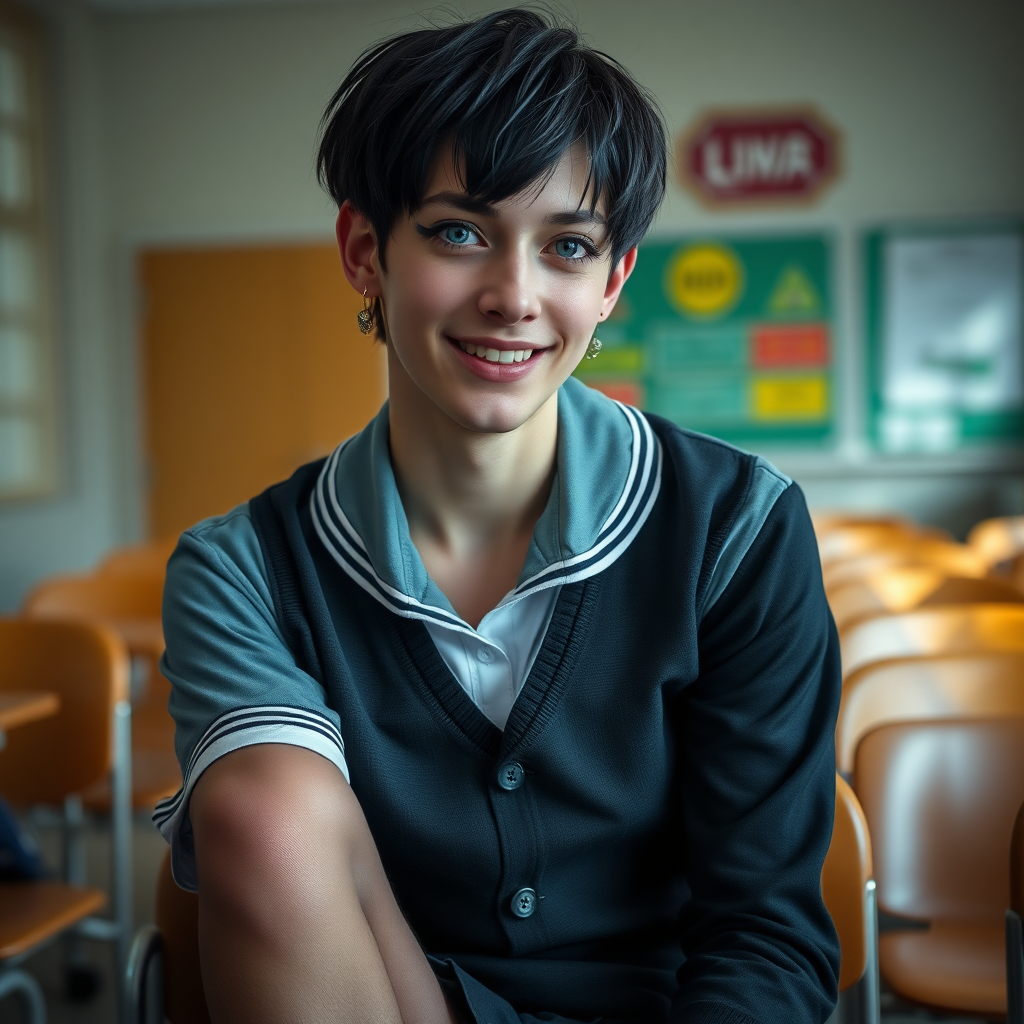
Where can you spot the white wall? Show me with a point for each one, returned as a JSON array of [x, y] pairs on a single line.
[[199, 125], [86, 516]]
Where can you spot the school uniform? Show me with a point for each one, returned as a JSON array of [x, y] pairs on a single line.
[[610, 801]]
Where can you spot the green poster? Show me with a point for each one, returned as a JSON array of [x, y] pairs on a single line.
[[732, 337]]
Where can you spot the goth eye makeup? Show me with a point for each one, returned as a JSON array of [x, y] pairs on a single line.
[[457, 234]]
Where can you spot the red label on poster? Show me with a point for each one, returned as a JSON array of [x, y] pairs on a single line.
[[790, 345], [749, 157], [626, 391]]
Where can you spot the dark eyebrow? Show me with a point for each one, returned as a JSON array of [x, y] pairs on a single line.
[[461, 201]]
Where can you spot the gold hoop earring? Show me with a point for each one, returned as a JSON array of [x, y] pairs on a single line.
[[365, 316], [594, 348]]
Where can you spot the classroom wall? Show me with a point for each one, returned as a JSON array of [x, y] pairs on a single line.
[[89, 512], [198, 125]]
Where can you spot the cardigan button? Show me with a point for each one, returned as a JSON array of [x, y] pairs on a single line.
[[511, 775], [524, 903]]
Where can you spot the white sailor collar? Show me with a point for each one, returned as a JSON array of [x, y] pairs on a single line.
[[608, 474]]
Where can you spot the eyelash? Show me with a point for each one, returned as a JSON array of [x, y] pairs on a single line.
[[591, 251]]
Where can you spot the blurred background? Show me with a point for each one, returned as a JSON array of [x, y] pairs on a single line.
[[186, 336], [835, 280]]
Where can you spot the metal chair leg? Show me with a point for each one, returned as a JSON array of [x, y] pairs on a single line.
[[18, 982], [121, 827], [143, 988], [870, 989], [1014, 968]]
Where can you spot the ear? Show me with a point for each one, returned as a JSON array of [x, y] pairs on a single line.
[[357, 243], [618, 278]]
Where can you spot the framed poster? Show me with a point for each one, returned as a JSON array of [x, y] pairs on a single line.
[[729, 336], [945, 332]]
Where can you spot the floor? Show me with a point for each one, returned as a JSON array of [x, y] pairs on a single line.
[[46, 966]]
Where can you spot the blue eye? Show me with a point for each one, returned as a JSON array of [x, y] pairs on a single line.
[[458, 234], [570, 249]]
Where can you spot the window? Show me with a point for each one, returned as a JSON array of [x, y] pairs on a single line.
[[27, 430]]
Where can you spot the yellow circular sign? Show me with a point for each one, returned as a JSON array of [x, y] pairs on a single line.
[[704, 280]]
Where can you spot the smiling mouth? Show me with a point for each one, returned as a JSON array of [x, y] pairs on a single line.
[[495, 355]]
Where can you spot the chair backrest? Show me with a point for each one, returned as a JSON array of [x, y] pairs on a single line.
[[825, 521], [107, 597], [940, 800], [950, 629], [949, 686], [844, 878], [130, 603], [854, 539], [952, 559], [177, 918], [998, 540], [86, 665], [148, 559], [904, 588]]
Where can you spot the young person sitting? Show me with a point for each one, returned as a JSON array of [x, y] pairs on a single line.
[[520, 705]]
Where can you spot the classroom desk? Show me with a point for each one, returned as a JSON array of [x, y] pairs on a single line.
[[21, 708]]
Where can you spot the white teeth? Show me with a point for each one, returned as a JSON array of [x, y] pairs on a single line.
[[494, 355]]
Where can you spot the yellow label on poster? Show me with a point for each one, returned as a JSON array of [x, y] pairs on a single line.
[[704, 280], [789, 398]]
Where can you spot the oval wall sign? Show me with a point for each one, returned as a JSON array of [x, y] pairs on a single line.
[[745, 157]]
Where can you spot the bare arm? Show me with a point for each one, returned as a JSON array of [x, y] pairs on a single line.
[[297, 921]]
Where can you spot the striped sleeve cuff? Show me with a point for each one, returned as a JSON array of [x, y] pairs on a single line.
[[243, 727]]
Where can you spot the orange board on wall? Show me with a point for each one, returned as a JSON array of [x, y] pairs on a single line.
[[253, 365]]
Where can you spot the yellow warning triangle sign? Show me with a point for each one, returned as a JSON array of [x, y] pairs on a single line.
[[794, 293]]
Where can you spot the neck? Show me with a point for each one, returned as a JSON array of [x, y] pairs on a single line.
[[472, 499], [457, 483]]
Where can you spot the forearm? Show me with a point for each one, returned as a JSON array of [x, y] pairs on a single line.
[[296, 918]]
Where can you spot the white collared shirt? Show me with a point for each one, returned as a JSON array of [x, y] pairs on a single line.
[[492, 665]]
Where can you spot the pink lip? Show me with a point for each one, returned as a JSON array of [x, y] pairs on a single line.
[[499, 373]]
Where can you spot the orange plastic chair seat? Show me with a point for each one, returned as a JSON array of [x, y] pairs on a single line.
[[32, 912], [955, 966]]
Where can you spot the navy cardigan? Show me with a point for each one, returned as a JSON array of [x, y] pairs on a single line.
[[675, 741]]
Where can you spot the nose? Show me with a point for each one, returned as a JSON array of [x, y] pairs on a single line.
[[511, 292]]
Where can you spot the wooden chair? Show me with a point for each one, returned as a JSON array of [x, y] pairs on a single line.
[[130, 604], [987, 684], [950, 629], [940, 800], [1015, 572], [860, 538], [31, 915], [149, 559], [1014, 926], [52, 761], [946, 556], [163, 978], [998, 540], [848, 889], [904, 588]]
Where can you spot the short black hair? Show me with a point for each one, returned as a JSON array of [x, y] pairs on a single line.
[[510, 92]]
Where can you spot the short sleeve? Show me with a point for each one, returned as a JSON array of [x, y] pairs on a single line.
[[234, 682]]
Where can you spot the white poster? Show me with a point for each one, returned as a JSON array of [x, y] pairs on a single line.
[[953, 332]]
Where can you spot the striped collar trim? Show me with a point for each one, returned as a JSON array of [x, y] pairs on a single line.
[[346, 547]]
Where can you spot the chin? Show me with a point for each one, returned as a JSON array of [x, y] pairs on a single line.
[[493, 417]]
